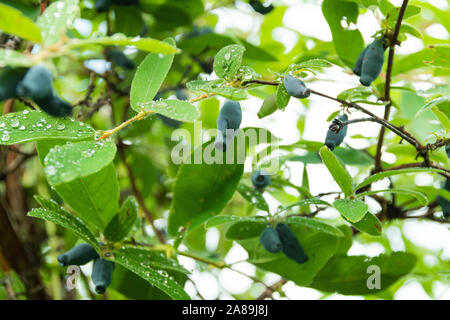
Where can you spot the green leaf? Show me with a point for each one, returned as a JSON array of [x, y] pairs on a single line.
[[218, 220], [349, 274], [215, 184], [122, 223], [411, 10], [144, 44], [283, 96], [54, 213], [318, 246], [434, 56], [340, 175], [316, 63], [246, 73], [445, 121], [13, 58], [390, 173], [149, 77], [11, 19], [26, 126], [407, 28], [423, 200], [56, 18], [94, 198], [314, 224], [369, 224], [218, 87], [245, 229], [228, 61], [73, 161], [434, 102], [352, 210], [139, 261], [253, 196], [174, 109], [303, 202], [353, 157], [348, 43]]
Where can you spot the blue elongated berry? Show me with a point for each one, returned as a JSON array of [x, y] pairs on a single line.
[[78, 255], [36, 84], [120, 59], [102, 274], [358, 64], [447, 149], [9, 79], [259, 7], [333, 139], [372, 62], [260, 179], [270, 240], [126, 2], [228, 122], [55, 106], [443, 202], [296, 87], [290, 245]]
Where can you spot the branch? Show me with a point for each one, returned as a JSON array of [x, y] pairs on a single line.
[[387, 87], [139, 197]]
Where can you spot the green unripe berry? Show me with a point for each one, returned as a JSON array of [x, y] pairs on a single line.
[[36, 84], [333, 139], [270, 240], [296, 87], [102, 274], [290, 245], [78, 255], [9, 79], [268, 107], [260, 179], [372, 62], [228, 122]]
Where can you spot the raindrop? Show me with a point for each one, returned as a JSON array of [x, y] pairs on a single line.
[[60, 126], [5, 137]]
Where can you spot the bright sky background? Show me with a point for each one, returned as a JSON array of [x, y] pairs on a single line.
[[307, 18]]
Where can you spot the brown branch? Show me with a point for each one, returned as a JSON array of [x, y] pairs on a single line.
[[18, 162], [137, 193], [270, 290], [387, 87]]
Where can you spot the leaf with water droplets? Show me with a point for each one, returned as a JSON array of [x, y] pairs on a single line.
[[315, 224], [76, 160], [52, 212], [56, 18], [144, 44], [26, 126], [149, 76], [139, 261], [228, 61], [174, 109], [13, 58], [253, 196]]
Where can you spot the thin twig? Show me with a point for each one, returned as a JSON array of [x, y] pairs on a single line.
[[387, 87], [137, 193]]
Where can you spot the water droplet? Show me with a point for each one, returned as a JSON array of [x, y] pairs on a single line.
[[26, 111], [60, 126], [22, 127], [5, 137], [2, 124]]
